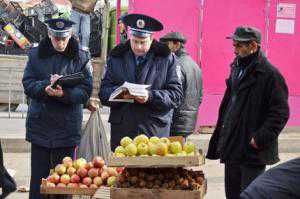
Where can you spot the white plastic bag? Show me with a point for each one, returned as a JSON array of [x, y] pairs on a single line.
[[94, 141]]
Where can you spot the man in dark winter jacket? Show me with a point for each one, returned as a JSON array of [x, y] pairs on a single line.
[[253, 112], [185, 116], [280, 182], [54, 117], [142, 60]]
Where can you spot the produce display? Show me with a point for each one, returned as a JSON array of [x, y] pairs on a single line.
[[82, 174], [131, 174], [143, 146], [160, 178]]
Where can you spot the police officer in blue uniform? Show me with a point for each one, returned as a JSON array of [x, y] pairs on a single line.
[[54, 116], [142, 60]]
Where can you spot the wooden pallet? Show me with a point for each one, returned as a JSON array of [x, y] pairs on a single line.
[[157, 161], [67, 191]]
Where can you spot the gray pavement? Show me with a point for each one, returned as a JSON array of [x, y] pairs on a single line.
[[12, 134]]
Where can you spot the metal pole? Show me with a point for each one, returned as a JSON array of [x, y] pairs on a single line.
[[118, 14], [105, 30], [9, 93], [267, 29], [23, 101]]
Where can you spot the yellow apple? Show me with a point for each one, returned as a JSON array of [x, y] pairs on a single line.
[[131, 150], [175, 147], [142, 149], [154, 140], [189, 147], [125, 141]]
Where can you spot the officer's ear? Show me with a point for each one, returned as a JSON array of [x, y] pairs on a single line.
[[151, 37], [49, 34], [253, 45]]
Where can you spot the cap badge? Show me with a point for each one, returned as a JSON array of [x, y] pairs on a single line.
[[60, 24], [140, 23]]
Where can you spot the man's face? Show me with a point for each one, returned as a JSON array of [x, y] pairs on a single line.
[[121, 26], [173, 46], [242, 49], [59, 43], [139, 45]]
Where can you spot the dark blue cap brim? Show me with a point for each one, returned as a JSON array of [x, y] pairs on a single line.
[[64, 33], [140, 33]]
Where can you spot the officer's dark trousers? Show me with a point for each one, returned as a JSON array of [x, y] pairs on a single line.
[[239, 176], [6, 181], [42, 160]]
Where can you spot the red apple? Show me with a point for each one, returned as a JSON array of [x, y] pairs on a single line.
[[98, 181], [87, 181], [54, 178], [50, 184], [83, 186], [72, 185], [67, 162], [60, 169], [65, 178], [82, 172], [61, 185], [98, 162], [71, 171], [89, 165], [93, 186], [104, 175], [75, 179], [112, 172], [120, 169], [93, 172]]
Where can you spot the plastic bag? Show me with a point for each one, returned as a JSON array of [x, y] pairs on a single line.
[[94, 141]]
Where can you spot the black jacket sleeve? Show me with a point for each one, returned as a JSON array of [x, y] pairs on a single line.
[[278, 111], [171, 95]]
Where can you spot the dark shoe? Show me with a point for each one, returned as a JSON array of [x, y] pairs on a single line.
[[8, 186], [8, 189]]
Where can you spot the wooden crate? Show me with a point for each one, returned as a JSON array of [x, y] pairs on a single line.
[[157, 161], [67, 191], [133, 193]]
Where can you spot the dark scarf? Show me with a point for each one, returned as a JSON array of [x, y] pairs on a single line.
[[246, 61]]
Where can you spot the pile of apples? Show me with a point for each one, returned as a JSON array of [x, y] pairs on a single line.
[[143, 146], [82, 174], [161, 178]]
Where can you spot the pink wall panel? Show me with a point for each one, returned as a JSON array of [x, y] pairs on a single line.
[[176, 15], [283, 52], [284, 48], [220, 18]]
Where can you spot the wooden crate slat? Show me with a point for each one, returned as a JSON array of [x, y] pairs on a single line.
[[132, 193], [67, 191], [157, 161], [103, 193]]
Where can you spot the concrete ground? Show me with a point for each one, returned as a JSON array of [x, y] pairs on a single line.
[[17, 152]]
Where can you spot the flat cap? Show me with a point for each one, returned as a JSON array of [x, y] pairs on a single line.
[[173, 36], [246, 33]]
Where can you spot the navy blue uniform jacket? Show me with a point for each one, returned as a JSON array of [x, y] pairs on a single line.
[[54, 122], [162, 72]]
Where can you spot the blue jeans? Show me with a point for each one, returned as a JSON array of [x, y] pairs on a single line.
[[82, 28]]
